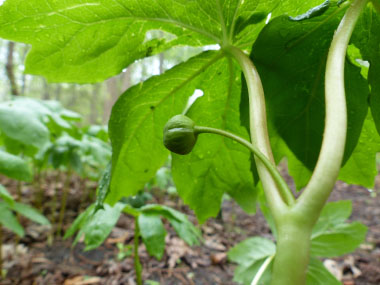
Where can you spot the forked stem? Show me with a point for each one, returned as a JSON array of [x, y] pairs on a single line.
[[294, 231]]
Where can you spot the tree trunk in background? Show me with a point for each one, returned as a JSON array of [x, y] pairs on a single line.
[[94, 103], [23, 79], [112, 95], [58, 90], [10, 70], [74, 96], [46, 93], [126, 80], [161, 65], [115, 87]]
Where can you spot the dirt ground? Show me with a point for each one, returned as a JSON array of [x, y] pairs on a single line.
[[35, 260]]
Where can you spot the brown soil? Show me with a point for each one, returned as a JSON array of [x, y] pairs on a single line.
[[35, 261]]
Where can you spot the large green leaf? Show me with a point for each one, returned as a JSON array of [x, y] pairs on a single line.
[[367, 38], [88, 41], [216, 164], [138, 119], [290, 56], [153, 234], [15, 167]]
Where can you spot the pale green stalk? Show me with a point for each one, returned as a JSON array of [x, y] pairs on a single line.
[[259, 130], [330, 158]]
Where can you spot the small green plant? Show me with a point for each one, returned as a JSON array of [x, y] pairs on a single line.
[[8, 220], [96, 225], [282, 84], [124, 251]]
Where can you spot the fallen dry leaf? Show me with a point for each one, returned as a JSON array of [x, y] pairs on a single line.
[[82, 280]]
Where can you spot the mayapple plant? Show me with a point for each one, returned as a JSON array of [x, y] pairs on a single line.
[[290, 79]]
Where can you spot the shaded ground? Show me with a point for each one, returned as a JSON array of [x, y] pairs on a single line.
[[35, 261]]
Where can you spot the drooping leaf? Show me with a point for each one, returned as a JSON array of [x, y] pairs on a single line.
[[14, 167], [250, 254], [290, 57], [137, 122], [9, 220], [78, 222], [153, 234], [95, 226], [317, 274], [6, 196], [216, 164], [103, 187], [30, 213], [181, 224]]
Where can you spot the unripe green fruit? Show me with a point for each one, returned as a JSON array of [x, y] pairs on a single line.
[[179, 134]]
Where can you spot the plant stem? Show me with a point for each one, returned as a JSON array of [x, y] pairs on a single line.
[[330, 158], [138, 266], [292, 252], [283, 187], [259, 130], [66, 189]]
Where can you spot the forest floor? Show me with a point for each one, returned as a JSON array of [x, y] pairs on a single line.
[[34, 260]]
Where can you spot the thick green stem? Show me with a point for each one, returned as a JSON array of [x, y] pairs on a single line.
[[330, 158], [292, 252], [66, 190], [259, 130], [138, 266], [285, 191]]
